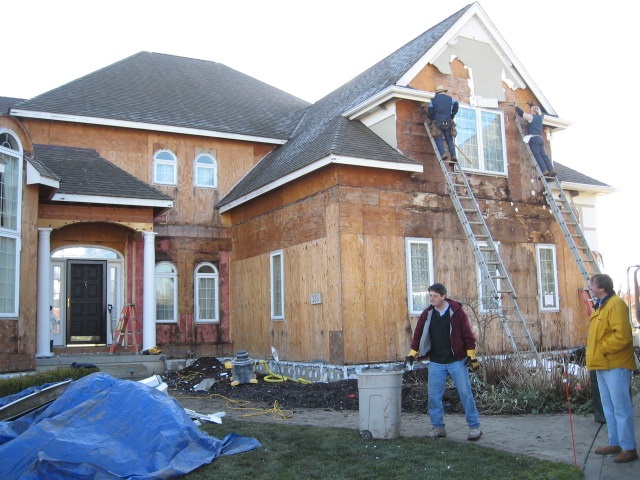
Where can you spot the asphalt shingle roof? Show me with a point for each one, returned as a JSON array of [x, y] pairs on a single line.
[[176, 91], [7, 102], [83, 172], [323, 130], [566, 174]]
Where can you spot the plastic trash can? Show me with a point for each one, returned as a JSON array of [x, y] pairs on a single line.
[[380, 394]]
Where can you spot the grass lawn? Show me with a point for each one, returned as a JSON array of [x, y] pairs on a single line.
[[307, 452]]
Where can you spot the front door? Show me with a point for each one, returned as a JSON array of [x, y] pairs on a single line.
[[86, 312]]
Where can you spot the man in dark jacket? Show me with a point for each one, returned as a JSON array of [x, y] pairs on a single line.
[[443, 333], [442, 110], [535, 140]]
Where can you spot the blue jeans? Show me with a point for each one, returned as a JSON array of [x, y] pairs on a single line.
[[446, 133], [536, 144], [615, 393], [436, 385]]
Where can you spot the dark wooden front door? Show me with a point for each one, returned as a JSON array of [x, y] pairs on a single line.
[[86, 313]]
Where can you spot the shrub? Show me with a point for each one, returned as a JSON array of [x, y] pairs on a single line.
[[12, 385]]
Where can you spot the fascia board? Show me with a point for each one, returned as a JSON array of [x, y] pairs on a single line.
[[104, 200], [517, 68], [393, 92], [34, 177], [583, 187], [142, 126], [408, 167]]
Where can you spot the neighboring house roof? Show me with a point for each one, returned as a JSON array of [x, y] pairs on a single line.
[[324, 131], [153, 90], [87, 177], [7, 102]]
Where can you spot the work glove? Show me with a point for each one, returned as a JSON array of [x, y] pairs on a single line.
[[409, 359], [472, 361]]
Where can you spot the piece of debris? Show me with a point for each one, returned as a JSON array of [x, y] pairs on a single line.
[[211, 417]]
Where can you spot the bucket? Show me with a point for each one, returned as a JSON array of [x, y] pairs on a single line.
[[380, 395]]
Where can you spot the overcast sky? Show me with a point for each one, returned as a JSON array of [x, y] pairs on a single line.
[[581, 56]]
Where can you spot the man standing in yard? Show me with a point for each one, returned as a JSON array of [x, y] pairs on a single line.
[[610, 353], [443, 333]]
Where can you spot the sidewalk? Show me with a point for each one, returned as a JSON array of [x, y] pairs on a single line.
[[547, 437]]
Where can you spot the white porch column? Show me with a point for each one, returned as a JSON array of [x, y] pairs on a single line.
[[149, 292], [43, 319]]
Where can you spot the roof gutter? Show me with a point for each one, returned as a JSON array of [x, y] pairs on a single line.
[[395, 92], [61, 117], [103, 200], [323, 162]]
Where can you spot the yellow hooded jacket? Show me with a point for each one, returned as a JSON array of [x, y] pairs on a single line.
[[610, 342]]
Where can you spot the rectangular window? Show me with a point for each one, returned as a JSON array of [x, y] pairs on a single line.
[[277, 286], [486, 299], [419, 260], [165, 173], [547, 277], [8, 276], [165, 299], [206, 299], [481, 138]]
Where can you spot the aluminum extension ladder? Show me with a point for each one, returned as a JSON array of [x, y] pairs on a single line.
[[502, 295], [564, 213]]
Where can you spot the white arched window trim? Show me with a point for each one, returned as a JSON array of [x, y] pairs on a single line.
[[165, 168], [11, 158], [206, 293], [166, 293], [205, 171]]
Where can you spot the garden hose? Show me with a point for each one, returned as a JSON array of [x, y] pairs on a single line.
[[274, 377]]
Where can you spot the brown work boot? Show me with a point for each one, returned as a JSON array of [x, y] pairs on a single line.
[[608, 450], [474, 434], [626, 456], [437, 433]]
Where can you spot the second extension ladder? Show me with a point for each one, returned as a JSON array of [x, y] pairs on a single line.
[[498, 290], [564, 213], [127, 329]]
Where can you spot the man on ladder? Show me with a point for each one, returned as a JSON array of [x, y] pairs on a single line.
[[442, 110]]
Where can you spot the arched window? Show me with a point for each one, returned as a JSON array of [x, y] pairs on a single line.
[[206, 293], [165, 168], [206, 171], [166, 293], [10, 213]]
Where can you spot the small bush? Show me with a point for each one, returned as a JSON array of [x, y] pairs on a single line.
[[511, 386], [13, 385]]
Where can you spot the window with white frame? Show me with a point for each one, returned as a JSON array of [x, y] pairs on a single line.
[[206, 293], [547, 267], [419, 260], [165, 168], [166, 293], [206, 171], [277, 285], [10, 221], [481, 138], [486, 298]]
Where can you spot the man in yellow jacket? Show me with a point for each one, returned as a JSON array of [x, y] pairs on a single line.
[[610, 354]]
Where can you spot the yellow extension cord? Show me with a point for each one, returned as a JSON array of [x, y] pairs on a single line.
[[273, 377], [242, 405]]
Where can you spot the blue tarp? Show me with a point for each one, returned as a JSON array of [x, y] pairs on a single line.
[[103, 427]]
